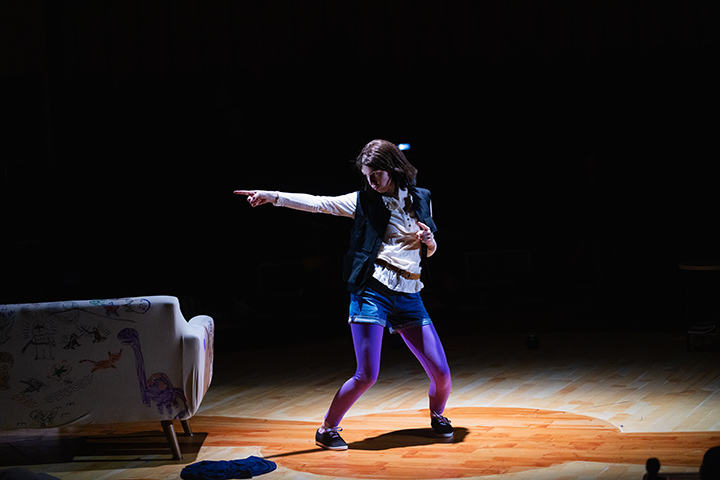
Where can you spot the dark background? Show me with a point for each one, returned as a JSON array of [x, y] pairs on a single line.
[[570, 148]]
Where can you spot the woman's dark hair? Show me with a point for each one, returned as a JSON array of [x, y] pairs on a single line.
[[383, 155]]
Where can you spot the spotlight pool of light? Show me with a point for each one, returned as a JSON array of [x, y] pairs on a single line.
[[404, 146]]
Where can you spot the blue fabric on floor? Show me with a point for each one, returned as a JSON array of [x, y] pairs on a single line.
[[222, 469]]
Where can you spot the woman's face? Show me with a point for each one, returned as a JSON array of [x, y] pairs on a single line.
[[379, 180]]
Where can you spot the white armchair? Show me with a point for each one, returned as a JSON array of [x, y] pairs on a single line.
[[103, 361]]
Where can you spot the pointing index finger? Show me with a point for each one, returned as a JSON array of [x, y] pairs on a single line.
[[243, 192]]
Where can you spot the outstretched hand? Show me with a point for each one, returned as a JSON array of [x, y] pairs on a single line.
[[258, 197]]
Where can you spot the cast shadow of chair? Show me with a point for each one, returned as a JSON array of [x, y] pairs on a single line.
[[32, 447], [142, 445]]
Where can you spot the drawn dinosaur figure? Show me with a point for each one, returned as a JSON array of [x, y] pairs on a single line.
[[157, 388]]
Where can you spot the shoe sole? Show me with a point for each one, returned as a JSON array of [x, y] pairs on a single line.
[[443, 435], [326, 447]]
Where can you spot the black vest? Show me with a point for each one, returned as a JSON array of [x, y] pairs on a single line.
[[371, 221]]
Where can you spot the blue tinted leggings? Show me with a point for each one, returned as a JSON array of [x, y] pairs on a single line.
[[424, 343]]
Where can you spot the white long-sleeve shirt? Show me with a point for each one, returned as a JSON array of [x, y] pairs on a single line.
[[400, 247]]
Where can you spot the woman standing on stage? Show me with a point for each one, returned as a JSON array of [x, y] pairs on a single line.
[[392, 235]]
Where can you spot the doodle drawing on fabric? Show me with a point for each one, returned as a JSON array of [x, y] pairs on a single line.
[[60, 371], [98, 334], [42, 417], [7, 319], [41, 334], [139, 306], [33, 385], [6, 362], [107, 363], [111, 309], [72, 343], [157, 388]]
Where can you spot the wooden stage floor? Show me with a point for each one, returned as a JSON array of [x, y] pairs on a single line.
[[584, 405]]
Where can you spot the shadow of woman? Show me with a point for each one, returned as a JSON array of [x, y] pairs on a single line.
[[411, 437]]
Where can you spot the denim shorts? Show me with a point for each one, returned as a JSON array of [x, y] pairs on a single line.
[[378, 305]]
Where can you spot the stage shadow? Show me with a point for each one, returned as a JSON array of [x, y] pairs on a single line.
[[149, 445], [411, 437]]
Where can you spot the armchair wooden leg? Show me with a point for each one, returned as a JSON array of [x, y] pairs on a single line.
[[169, 430], [186, 427]]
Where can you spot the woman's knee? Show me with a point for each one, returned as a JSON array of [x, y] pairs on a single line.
[[443, 379], [365, 379], [447, 381]]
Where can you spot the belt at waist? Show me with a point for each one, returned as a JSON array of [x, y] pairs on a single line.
[[398, 270]]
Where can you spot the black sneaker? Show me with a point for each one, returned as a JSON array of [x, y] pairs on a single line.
[[330, 439], [441, 426]]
